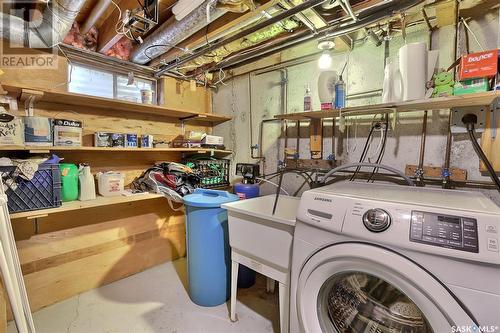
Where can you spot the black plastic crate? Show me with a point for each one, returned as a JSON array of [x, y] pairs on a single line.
[[214, 172], [43, 191]]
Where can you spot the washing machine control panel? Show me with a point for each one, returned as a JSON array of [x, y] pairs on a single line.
[[449, 231]]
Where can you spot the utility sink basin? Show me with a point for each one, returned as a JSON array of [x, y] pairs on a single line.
[[258, 234]]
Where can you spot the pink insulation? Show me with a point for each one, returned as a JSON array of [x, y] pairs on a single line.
[[121, 49], [74, 38]]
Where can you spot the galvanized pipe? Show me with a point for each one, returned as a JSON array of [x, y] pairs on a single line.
[[306, 36], [228, 39]]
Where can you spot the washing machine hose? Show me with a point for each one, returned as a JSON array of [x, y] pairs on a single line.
[[369, 165]]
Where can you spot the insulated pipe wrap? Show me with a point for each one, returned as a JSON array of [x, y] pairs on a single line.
[[170, 34]]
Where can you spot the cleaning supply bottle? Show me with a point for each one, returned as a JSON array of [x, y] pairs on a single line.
[[87, 184], [69, 179], [307, 99], [340, 93]]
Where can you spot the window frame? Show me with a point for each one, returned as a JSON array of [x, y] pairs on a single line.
[[115, 74]]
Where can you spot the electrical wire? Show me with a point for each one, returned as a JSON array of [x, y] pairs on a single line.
[[365, 150], [482, 156], [382, 150]]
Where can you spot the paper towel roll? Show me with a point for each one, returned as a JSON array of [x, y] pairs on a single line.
[[413, 68]]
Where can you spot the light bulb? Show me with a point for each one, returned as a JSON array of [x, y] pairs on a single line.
[[325, 60]]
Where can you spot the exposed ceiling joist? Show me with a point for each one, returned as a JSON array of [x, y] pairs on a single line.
[[307, 16], [224, 23], [107, 32]]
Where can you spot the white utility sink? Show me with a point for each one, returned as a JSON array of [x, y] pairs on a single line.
[[255, 232], [262, 241]]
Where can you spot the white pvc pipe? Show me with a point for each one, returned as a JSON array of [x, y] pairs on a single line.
[[13, 292], [11, 269]]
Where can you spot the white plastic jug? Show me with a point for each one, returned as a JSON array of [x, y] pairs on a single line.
[[110, 183], [87, 184]]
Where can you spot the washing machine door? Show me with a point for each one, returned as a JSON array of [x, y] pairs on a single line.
[[359, 287]]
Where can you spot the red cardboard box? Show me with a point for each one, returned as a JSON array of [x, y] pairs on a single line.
[[479, 65]]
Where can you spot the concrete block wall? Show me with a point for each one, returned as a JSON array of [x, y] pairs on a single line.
[[251, 98]]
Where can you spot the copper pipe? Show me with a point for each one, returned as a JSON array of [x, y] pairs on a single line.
[[419, 174]]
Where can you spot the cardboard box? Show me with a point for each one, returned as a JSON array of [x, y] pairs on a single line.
[[479, 65], [212, 140]]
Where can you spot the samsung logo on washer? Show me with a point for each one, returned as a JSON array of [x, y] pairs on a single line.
[[474, 329], [322, 199]]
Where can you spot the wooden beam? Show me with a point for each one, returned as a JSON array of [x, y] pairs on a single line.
[[477, 8], [316, 138], [220, 25], [107, 32], [445, 13]]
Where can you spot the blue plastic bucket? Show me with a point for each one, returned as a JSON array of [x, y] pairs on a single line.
[[207, 242]]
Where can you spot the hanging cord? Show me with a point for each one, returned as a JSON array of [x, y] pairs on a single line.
[[470, 120], [365, 150], [348, 147], [382, 150]]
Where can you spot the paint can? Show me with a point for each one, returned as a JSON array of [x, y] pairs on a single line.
[[68, 133], [132, 141], [118, 140], [102, 139], [146, 141]]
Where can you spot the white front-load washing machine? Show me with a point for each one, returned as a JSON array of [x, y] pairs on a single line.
[[387, 258]]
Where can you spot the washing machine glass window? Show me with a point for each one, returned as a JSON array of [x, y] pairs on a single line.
[[360, 302]]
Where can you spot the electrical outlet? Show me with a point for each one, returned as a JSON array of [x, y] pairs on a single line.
[[457, 126]]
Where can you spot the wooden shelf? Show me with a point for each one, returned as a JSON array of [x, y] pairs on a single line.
[[74, 205], [41, 149], [480, 99], [66, 98]]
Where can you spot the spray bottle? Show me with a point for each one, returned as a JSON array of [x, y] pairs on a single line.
[[307, 99], [340, 93]]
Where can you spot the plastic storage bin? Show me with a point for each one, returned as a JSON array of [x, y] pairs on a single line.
[[43, 191], [207, 242], [214, 172]]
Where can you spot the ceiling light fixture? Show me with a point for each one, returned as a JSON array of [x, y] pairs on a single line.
[[325, 60]]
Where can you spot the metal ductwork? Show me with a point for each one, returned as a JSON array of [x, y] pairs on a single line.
[[223, 41], [170, 34], [57, 18]]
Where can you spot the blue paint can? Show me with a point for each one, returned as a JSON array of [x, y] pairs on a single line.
[[132, 141]]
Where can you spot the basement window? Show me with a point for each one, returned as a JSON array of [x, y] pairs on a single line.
[[96, 82]]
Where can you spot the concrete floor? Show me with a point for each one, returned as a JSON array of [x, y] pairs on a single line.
[[156, 300]]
